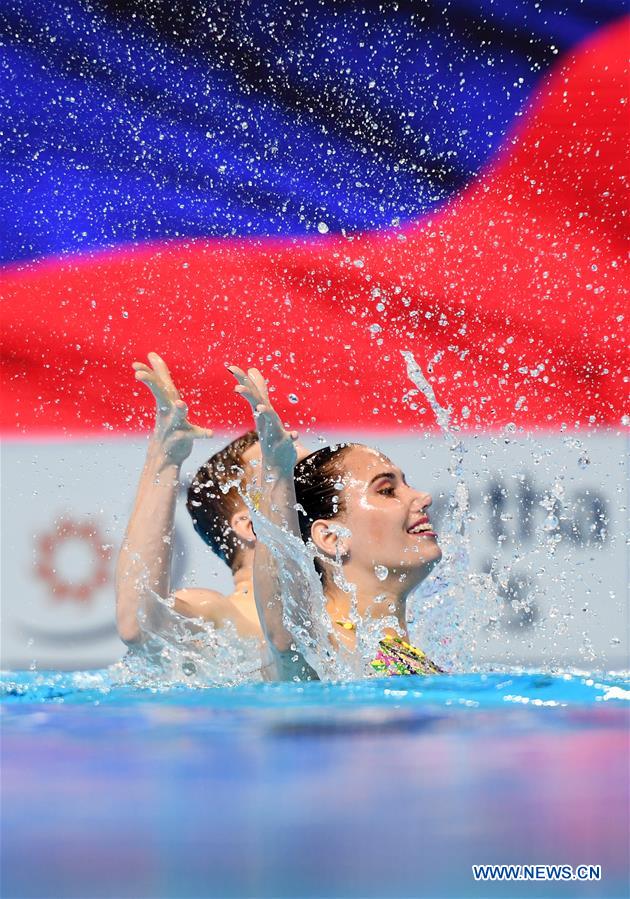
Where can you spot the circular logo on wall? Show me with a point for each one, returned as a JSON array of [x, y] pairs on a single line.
[[73, 559]]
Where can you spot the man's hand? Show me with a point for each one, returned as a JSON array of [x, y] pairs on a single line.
[[174, 434], [277, 445]]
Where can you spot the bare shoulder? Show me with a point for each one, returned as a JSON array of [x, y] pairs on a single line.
[[198, 602]]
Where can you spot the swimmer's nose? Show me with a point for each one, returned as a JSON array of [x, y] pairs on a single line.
[[421, 500]]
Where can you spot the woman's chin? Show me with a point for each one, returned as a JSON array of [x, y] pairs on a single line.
[[437, 554], [428, 553]]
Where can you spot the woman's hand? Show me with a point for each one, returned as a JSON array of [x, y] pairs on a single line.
[[174, 435], [277, 445]]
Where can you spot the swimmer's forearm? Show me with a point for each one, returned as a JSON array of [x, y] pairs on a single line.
[[144, 563], [291, 665], [277, 501], [269, 601]]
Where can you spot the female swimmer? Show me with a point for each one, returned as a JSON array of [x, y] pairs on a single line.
[[370, 528]]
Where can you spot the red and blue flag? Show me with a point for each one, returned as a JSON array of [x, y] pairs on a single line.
[[313, 187]]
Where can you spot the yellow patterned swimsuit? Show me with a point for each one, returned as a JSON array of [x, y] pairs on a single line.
[[395, 657]]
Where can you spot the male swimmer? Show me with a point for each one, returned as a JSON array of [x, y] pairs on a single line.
[[221, 519]]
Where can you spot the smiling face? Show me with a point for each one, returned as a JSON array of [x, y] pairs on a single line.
[[387, 519]]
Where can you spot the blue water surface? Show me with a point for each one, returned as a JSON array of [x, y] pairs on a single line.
[[383, 788]]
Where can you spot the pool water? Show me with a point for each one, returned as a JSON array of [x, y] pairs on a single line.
[[382, 788]]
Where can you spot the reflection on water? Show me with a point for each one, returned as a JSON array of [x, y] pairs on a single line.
[[384, 788]]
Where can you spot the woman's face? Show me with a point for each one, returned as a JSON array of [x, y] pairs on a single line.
[[387, 519]]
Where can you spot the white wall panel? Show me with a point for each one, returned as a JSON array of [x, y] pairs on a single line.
[[549, 514]]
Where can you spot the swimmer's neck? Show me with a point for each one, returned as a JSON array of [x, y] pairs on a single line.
[[384, 603]]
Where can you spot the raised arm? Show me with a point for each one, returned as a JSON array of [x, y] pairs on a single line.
[[278, 506], [144, 563]]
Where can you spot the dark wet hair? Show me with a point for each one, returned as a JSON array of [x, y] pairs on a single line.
[[315, 490], [210, 508]]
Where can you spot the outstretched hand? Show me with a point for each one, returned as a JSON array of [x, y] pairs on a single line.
[[173, 432], [277, 445]]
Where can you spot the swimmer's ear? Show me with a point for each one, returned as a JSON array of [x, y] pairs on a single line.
[[328, 540], [241, 524]]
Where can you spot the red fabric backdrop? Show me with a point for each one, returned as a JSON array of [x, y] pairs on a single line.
[[515, 290]]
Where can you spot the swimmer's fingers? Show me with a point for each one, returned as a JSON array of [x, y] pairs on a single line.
[[238, 373], [157, 376], [245, 387], [266, 416], [180, 413], [180, 421], [258, 394], [161, 369], [248, 388], [253, 387], [155, 386], [252, 380], [201, 433], [252, 397], [258, 380]]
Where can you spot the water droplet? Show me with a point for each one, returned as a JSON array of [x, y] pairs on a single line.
[[293, 398], [322, 227], [584, 461], [381, 572]]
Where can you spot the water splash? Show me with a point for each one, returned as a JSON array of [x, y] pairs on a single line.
[[452, 610], [448, 613], [189, 650], [304, 604], [417, 376], [175, 650]]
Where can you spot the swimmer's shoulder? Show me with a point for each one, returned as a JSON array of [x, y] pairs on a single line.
[[200, 602], [195, 602]]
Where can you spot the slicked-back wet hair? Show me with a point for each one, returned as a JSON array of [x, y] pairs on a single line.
[[315, 490], [210, 508]]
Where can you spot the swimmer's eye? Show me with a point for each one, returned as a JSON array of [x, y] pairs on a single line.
[[387, 491]]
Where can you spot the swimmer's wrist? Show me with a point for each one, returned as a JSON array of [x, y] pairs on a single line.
[[277, 471], [280, 462], [160, 460]]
